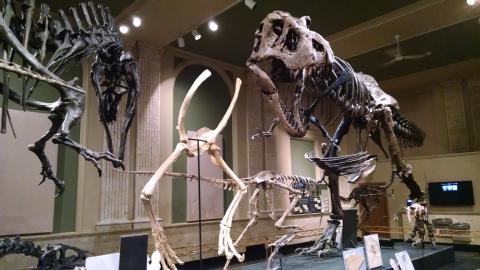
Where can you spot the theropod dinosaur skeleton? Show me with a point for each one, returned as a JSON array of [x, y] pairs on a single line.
[[367, 196], [295, 185], [294, 54], [53, 257], [206, 139], [419, 212], [40, 49]]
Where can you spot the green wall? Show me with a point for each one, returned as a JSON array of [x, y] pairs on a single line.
[[300, 165], [67, 159], [206, 109]]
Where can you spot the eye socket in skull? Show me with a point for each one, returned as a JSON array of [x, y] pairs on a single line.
[[292, 40], [318, 46], [277, 26]]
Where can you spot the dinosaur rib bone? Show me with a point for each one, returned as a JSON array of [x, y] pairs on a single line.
[[186, 103]]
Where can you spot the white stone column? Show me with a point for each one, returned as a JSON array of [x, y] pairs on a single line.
[[114, 202], [149, 126]]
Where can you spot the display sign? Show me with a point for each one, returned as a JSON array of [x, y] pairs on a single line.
[[404, 260], [373, 251], [103, 262], [451, 193], [354, 259]]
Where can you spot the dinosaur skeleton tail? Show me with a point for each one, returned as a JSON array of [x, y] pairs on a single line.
[[16, 246], [408, 133]]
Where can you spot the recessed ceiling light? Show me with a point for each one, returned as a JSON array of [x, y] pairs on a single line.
[[123, 29], [213, 26], [196, 35], [471, 2], [251, 4], [181, 42], [136, 21]]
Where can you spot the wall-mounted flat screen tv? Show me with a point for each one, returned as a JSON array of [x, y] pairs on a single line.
[[451, 193]]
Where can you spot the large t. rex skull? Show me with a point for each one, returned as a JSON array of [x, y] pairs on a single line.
[[294, 52]]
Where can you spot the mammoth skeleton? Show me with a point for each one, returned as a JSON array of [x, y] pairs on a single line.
[[285, 50], [38, 49]]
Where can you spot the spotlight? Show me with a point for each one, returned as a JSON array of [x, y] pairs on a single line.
[[213, 26], [136, 21], [181, 42], [196, 35], [123, 29], [471, 2], [251, 4]]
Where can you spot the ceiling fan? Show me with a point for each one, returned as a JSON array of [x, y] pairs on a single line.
[[398, 56]]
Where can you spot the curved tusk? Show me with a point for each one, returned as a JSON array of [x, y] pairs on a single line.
[[228, 113], [186, 103]]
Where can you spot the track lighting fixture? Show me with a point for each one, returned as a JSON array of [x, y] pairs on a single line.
[[251, 4], [181, 42], [213, 26], [196, 35]]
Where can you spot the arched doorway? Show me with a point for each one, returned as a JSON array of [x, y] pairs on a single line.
[[206, 109]]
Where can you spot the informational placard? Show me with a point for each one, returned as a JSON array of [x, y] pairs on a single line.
[[153, 262], [404, 260], [373, 251], [110, 262], [394, 264], [354, 259], [103, 262]]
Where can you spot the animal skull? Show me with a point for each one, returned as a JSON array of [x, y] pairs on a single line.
[[293, 52]]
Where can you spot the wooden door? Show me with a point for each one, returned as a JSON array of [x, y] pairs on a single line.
[[379, 216]]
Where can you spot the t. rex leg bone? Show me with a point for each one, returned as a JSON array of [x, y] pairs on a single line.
[[396, 156], [225, 242], [254, 215], [279, 223], [253, 220], [168, 258]]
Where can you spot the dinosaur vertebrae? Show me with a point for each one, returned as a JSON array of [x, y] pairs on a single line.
[[294, 181], [17, 246], [53, 257], [408, 134], [93, 33]]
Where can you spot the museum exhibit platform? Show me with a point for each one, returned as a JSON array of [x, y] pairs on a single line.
[[423, 259]]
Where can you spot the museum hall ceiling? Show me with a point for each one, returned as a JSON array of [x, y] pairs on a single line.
[[359, 31]]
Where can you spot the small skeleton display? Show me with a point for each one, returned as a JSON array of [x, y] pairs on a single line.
[[295, 185], [368, 197], [206, 143], [275, 259], [420, 214], [53, 257], [286, 51], [38, 49]]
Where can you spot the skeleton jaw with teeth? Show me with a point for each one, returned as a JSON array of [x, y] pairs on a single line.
[[293, 52]]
